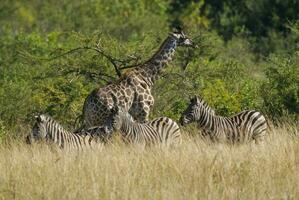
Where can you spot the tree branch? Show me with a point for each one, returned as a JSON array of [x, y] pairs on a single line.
[[116, 63], [77, 71]]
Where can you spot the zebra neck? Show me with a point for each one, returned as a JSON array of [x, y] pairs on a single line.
[[54, 134], [128, 127], [207, 121]]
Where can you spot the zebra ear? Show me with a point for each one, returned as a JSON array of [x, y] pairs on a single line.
[[38, 118], [115, 109], [198, 99], [193, 99], [115, 100]]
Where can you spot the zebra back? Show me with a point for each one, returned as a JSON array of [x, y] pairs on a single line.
[[169, 130], [159, 130], [252, 122]]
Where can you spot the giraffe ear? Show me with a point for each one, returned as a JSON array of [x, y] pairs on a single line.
[[178, 29], [177, 32]]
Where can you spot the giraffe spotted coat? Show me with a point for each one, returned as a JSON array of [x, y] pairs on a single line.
[[133, 90]]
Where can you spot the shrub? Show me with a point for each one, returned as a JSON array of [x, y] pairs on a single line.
[[281, 89], [224, 82]]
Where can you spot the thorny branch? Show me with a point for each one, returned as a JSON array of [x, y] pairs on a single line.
[[92, 75], [118, 64], [77, 71]]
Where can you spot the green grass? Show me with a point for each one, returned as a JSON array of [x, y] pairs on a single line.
[[194, 170]]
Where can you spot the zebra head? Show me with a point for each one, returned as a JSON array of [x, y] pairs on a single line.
[[194, 111], [39, 131], [182, 39], [104, 133], [119, 117], [98, 131]]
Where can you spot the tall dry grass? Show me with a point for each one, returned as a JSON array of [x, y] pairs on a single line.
[[194, 170]]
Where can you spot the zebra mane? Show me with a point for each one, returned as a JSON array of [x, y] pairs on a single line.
[[46, 119], [200, 102]]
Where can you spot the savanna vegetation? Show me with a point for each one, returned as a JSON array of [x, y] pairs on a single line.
[[53, 53], [193, 170], [247, 55]]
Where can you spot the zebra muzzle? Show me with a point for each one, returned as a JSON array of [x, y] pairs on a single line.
[[182, 122]]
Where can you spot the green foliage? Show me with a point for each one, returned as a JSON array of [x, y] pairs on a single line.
[[217, 73], [50, 59], [263, 22], [35, 78], [122, 19], [281, 91], [220, 98]]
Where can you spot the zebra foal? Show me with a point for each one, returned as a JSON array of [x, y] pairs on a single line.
[[47, 129], [160, 130], [243, 127]]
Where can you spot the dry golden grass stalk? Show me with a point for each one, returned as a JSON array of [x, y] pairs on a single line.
[[194, 170]]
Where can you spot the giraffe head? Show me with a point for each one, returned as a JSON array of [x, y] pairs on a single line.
[[182, 39], [194, 111]]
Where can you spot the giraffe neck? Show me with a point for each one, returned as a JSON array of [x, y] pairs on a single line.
[[161, 58]]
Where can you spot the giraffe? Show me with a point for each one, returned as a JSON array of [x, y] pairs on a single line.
[[133, 90]]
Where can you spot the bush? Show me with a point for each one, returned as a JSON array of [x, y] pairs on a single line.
[[41, 72], [281, 90]]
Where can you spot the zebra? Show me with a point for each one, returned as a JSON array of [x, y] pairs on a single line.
[[243, 127], [47, 129], [161, 130]]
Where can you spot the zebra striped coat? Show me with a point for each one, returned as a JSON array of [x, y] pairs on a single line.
[[103, 133], [47, 129], [242, 127], [160, 130]]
